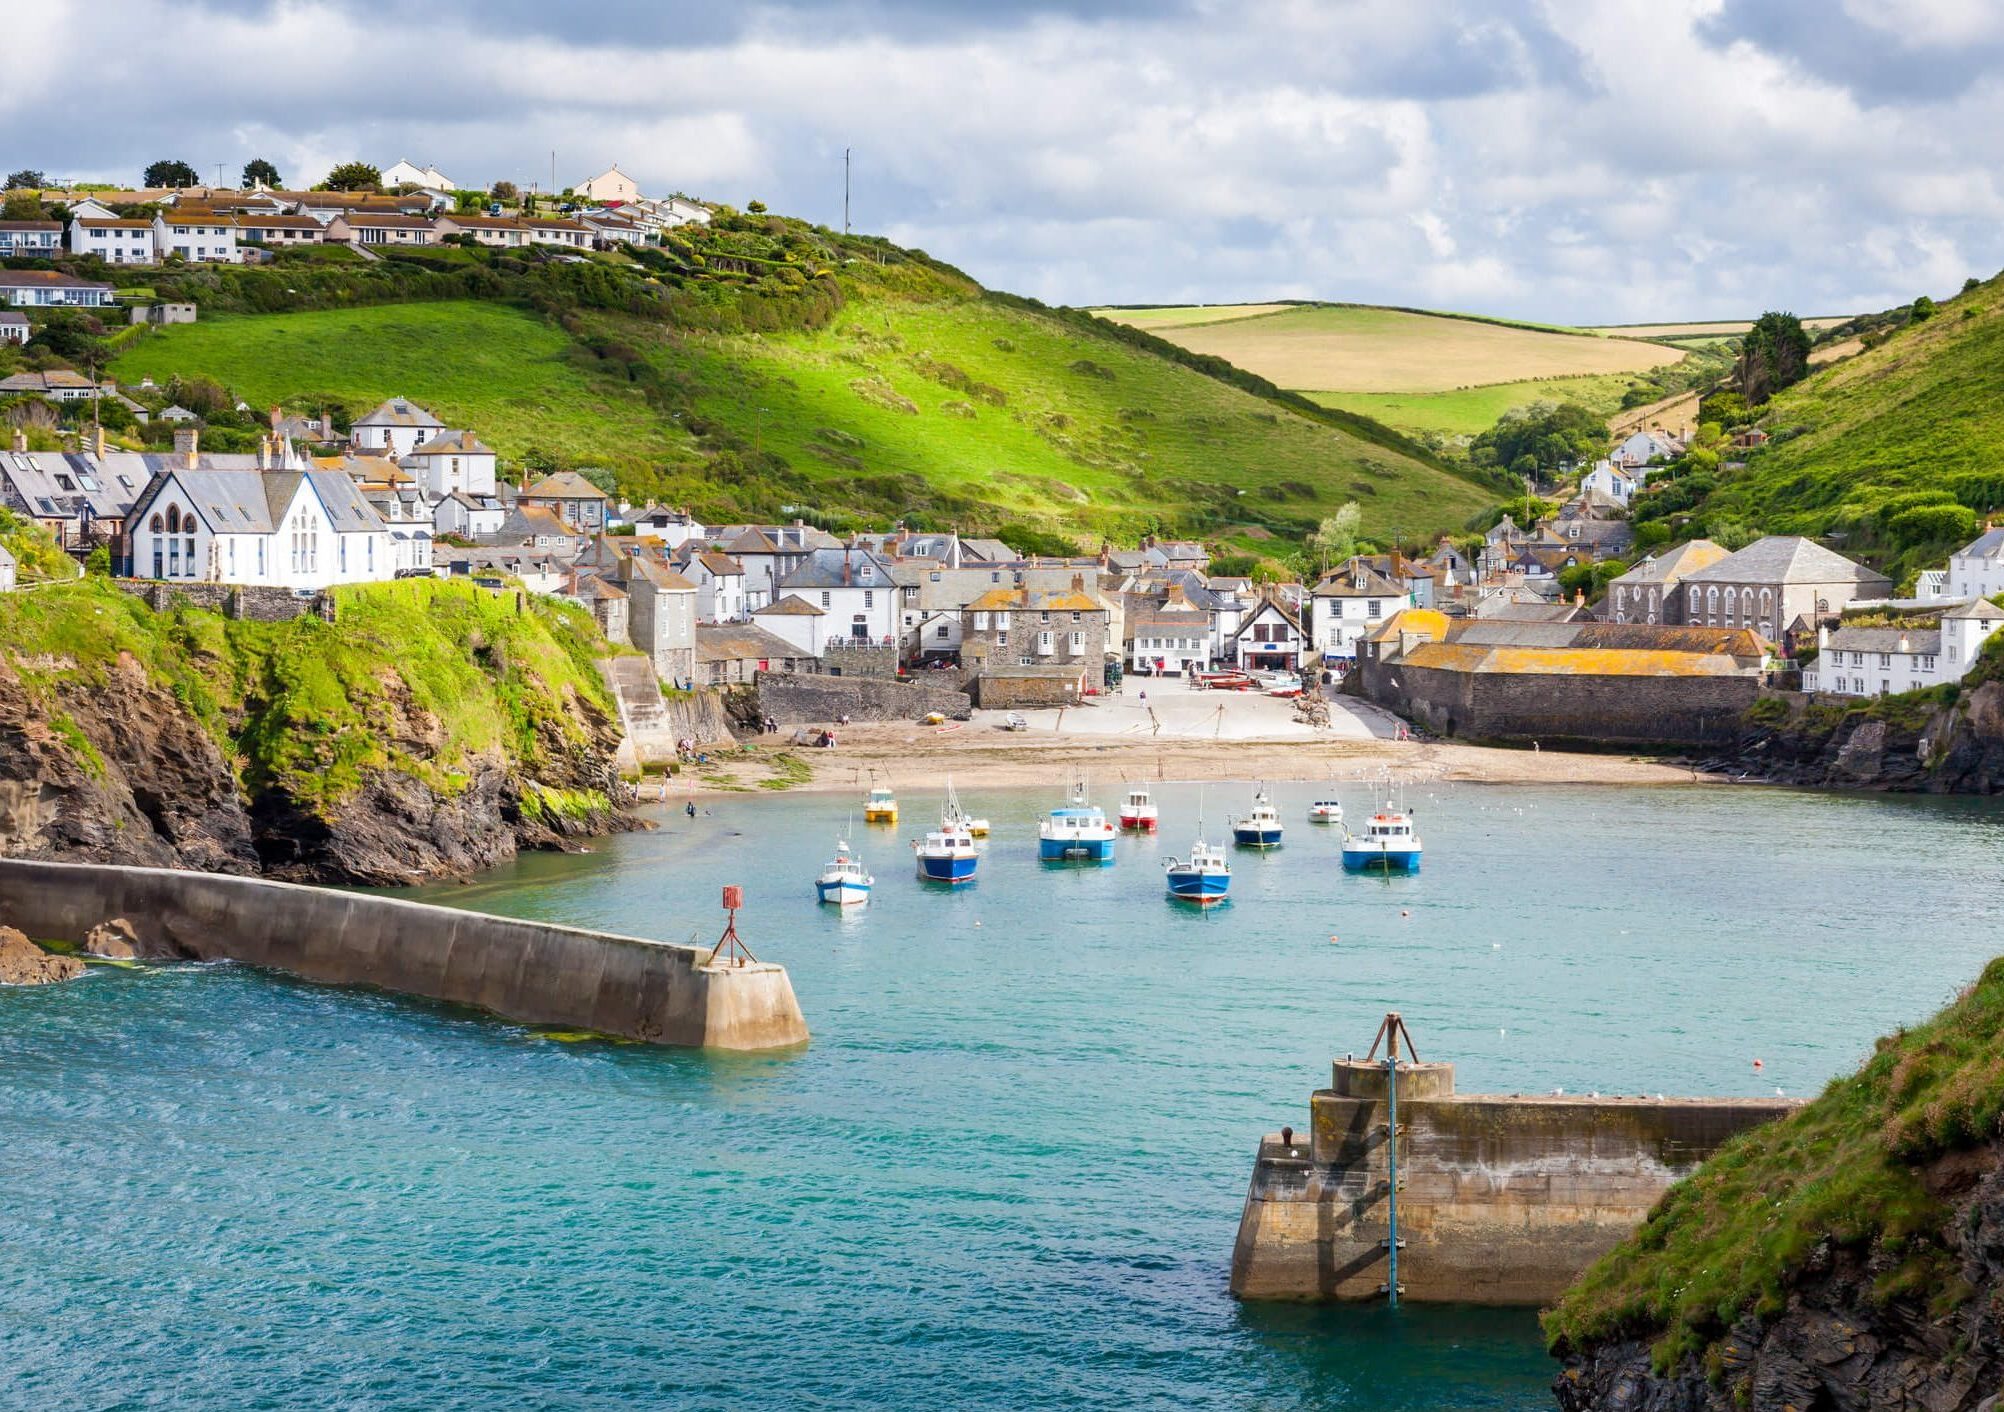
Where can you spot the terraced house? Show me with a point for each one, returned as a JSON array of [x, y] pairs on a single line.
[[197, 235], [31, 240], [1033, 647]]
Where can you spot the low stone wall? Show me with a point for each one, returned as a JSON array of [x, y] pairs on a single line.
[[527, 971], [1561, 709], [839, 659], [792, 698], [1502, 1200], [256, 602]]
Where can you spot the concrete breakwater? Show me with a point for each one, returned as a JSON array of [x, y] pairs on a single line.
[[528, 971], [1500, 1199]]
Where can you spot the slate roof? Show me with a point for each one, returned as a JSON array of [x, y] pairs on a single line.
[[1988, 545], [732, 642], [1924, 642], [1020, 600], [1784, 559], [1980, 609], [824, 568], [246, 500], [1358, 580], [454, 443], [1672, 566], [791, 606], [47, 279], [398, 413], [564, 485]]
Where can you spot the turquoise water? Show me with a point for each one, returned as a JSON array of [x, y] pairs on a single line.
[[1007, 1172]]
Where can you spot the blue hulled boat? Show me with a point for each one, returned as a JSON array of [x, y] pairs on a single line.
[[845, 881], [1203, 878], [1260, 828], [946, 854], [1389, 843], [1076, 832]]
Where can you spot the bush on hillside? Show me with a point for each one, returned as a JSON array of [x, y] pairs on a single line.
[[1928, 524]]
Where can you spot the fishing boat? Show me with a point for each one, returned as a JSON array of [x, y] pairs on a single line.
[[946, 854], [1260, 828], [1076, 830], [959, 816], [844, 881], [1326, 811], [881, 806], [1203, 878], [1389, 843], [1137, 811]]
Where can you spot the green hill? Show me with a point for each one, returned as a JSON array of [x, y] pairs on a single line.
[[1893, 449], [763, 368]]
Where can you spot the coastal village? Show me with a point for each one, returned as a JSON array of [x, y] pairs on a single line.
[[270, 664]]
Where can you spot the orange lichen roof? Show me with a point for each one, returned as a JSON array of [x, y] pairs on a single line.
[[1568, 661]]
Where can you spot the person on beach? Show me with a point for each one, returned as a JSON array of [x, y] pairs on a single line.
[[692, 808]]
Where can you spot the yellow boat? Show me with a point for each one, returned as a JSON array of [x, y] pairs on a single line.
[[881, 807]]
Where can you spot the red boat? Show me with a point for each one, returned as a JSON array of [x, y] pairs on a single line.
[[1137, 812]]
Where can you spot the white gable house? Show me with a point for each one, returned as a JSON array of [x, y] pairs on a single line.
[[303, 529], [398, 427], [449, 464], [408, 173], [1859, 661]]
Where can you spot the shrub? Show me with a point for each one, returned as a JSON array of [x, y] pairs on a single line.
[[1930, 523]]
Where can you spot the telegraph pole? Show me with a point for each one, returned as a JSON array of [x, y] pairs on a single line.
[[845, 191]]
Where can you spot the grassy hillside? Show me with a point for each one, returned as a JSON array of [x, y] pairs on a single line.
[[1894, 448], [1422, 372], [422, 676], [1849, 1168], [764, 368]]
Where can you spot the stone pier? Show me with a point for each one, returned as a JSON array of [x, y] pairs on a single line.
[[1501, 1199], [533, 972]]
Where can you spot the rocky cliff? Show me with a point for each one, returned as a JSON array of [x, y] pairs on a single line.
[[1849, 1257], [1916, 743], [431, 731]]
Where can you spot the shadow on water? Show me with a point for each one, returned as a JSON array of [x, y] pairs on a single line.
[[1416, 1359]]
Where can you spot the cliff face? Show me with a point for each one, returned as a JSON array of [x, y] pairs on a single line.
[[1954, 749], [401, 746], [1838, 1343], [1850, 1256]]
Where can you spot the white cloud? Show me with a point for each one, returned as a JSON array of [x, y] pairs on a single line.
[[1574, 160]]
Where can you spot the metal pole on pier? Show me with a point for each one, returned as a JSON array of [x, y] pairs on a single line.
[[1389, 1033]]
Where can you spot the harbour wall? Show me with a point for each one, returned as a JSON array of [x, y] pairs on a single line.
[[528, 971], [1501, 1199], [795, 698], [1562, 708]]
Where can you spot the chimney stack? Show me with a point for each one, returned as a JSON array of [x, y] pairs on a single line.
[[275, 418], [97, 440], [20, 440], [186, 443], [264, 453]]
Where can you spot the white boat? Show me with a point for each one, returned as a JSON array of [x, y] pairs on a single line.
[[1076, 830], [947, 854], [1138, 811], [1326, 811], [1260, 828], [1204, 877], [1389, 844], [844, 881]]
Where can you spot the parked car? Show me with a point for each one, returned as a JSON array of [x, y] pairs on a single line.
[[1015, 721]]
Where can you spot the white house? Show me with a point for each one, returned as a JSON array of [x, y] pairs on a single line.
[[720, 584], [793, 619], [32, 240], [53, 289], [1882, 661], [397, 426], [1977, 569], [204, 236], [610, 185], [290, 528], [1349, 603], [450, 462], [1169, 638], [674, 528], [13, 327], [854, 587], [468, 516], [9, 575], [113, 239], [1270, 639], [407, 173], [1647, 448], [1616, 483]]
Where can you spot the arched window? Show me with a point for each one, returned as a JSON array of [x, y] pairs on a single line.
[[157, 524], [1746, 604], [1711, 602], [1766, 603], [173, 519]]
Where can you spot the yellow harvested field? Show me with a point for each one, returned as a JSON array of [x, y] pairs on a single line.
[[1673, 414], [1724, 328], [1188, 316], [1329, 348], [1831, 352]]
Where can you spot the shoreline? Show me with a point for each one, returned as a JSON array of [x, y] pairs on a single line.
[[903, 755]]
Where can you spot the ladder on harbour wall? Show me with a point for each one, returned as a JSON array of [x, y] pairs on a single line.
[[1389, 1034]]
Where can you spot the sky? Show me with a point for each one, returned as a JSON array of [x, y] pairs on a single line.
[[1574, 161]]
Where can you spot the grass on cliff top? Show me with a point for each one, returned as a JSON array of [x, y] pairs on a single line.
[[1466, 411], [424, 676], [1847, 1168]]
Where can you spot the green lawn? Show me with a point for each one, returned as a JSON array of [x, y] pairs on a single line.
[[1468, 410], [505, 373], [976, 400]]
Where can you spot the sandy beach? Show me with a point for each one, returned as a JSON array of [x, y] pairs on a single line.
[[1173, 733]]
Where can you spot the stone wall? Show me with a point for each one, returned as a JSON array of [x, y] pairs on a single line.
[[793, 698], [527, 971], [840, 659], [1561, 709], [1502, 1200], [257, 602]]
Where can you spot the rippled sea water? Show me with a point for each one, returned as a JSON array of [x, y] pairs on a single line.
[[1008, 1170]]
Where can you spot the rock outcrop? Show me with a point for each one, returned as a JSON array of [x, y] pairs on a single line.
[[122, 939], [1952, 749], [24, 963], [124, 772], [1840, 1343]]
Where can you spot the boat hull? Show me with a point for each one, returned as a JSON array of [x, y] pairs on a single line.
[[1374, 858], [1075, 850], [845, 893], [947, 868], [1139, 823], [1256, 838], [1186, 885], [1324, 816], [880, 816]]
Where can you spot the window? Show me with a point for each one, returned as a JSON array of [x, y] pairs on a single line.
[[1078, 642], [942, 631], [824, 598], [1043, 642], [1078, 617], [1373, 607], [869, 599], [1885, 660]]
